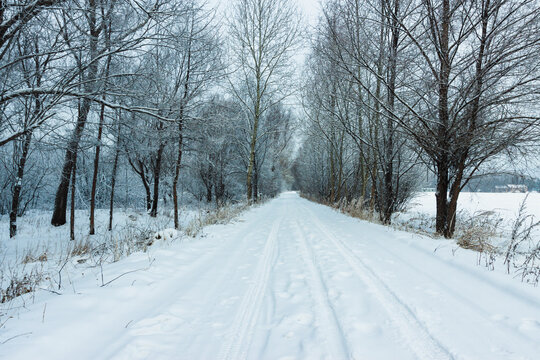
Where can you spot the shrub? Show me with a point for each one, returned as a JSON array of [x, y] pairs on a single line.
[[523, 250]]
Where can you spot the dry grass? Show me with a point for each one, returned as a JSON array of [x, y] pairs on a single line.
[[523, 251], [20, 285], [31, 258], [221, 215], [81, 247], [475, 239], [356, 208], [476, 232]]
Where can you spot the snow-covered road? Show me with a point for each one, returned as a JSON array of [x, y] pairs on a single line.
[[290, 280]]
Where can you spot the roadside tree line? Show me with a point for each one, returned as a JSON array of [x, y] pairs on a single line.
[[398, 86], [151, 99]]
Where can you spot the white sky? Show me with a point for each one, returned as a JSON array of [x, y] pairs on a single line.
[[310, 8]]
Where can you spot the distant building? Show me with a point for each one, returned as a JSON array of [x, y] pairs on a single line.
[[511, 188]]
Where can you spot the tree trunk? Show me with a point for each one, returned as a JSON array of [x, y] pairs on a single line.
[[209, 193], [177, 171], [219, 190], [253, 143], [180, 133], [441, 223], [139, 168], [332, 179], [15, 200], [441, 196], [113, 178], [249, 184], [148, 195], [255, 181], [389, 196], [455, 189], [98, 145], [60, 201], [373, 192], [73, 188], [96, 170], [157, 172]]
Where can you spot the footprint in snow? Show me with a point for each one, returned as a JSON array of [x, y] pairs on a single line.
[[230, 300], [499, 317], [304, 318], [367, 328], [530, 327], [161, 324], [284, 295], [334, 294], [342, 275]]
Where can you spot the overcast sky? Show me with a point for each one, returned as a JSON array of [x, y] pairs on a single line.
[[310, 8]]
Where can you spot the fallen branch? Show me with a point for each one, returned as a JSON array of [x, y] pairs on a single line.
[[128, 272], [16, 336]]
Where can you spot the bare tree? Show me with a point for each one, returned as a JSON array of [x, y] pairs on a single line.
[[107, 27], [264, 34], [459, 78], [84, 33], [476, 87], [198, 65], [33, 68], [351, 104]]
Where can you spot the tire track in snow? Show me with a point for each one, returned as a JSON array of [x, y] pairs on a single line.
[[335, 339], [198, 268], [524, 297], [212, 294], [238, 340], [424, 345], [503, 330]]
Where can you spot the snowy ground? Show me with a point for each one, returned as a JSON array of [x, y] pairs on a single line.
[[39, 250], [507, 204], [503, 205], [288, 280]]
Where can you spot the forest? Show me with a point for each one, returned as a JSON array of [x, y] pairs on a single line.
[[140, 104], [155, 104]]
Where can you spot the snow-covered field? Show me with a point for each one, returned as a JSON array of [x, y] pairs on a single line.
[[36, 236], [501, 208], [504, 204], [42, 256], [288, 280]]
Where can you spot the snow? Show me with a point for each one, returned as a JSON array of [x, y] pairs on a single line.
[[288, 280], [506, 205], [36, 238], [498, 210]]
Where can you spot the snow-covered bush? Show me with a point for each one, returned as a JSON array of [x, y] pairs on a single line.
[[476, 232], [221, 215], [356, 208]]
